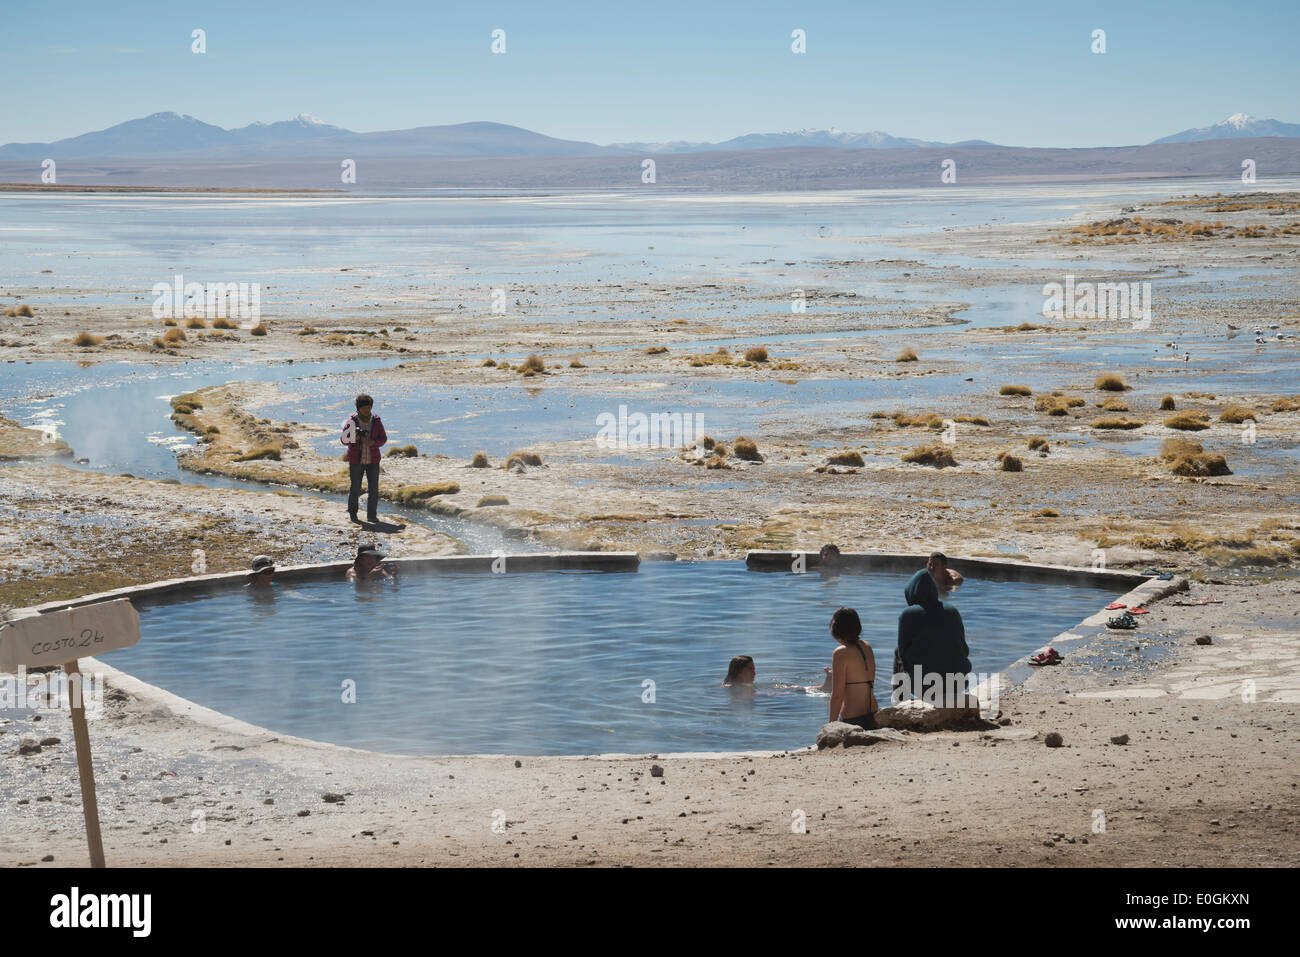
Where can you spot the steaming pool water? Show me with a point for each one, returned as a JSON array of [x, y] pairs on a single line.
[[555, 662]]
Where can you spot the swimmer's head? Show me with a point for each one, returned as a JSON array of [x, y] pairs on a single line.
[[845, 625], [740, 671], [829, 556]]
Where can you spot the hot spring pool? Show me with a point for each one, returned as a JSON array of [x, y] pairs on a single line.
[[555, 662]]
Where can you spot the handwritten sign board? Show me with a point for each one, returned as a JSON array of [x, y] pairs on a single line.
[[62, 636]]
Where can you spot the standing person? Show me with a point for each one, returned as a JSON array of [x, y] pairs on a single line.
[[931, 660], [363, 434], [853, 669]]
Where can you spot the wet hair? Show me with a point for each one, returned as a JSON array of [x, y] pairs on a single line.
[[939, 556], [846, 625], [738, 664], [364, 399], [829, 550]]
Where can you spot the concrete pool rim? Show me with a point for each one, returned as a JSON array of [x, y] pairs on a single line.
[[1142, 589]]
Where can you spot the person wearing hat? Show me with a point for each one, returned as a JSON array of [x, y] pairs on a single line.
[[363, 434], [368, 565], [263, 568]]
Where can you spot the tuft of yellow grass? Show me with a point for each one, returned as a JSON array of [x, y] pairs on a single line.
[[575, 364], [937, 456], [488, 363], [1189, 458], [717, 462], [532, 364], [1038, 443], [173, 335], [1236, 414], [419, 494], [756, 354], [522, 458], [169, 322], [746, 449], [194, 322], [720, 358], [1010, 463], [1113, 405], [708, 442], [1167, 404], [1286, 405], [259, 329], [268, 451], [24, 310], [656, 350], [1118, 423], [403, 452], [907, 355], [487, 500], [85, 339], [971, 419], [1110, 382], [1047, 513], [1192, 420], [926, 420], [847, 457], [1015, 390], [479, 461]]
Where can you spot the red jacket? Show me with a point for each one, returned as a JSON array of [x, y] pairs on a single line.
[[353, 441]]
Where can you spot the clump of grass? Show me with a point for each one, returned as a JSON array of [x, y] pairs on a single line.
[[907, 355], [173, 335], [11, 311], [1118, 423], [1038, 443], [85, 339], [1110, 382], [927, 420], [848, 457], [656, 350], [746, 449], [1010, 463], [575, 364], [522, 458], [756, 354], [1286, 405], [879, 415], [194, 322], [717, 462], [1189, 458], [268, 451], [488, 363], [479, 461], [720, 358], [1236, 414], [221, 322], [487, 500], [971, 419], [259, 329], [1015, 390], [1167, 404], [403, 452], [1047, 513], [708, 442], [937, 456], [1057, 404], [533, 364], [1113, 405], [419, 494], [24, 310], [157, 343], [1193, 420], [169, 322]]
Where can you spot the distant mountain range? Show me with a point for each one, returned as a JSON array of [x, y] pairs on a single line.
[[176, 134], [1237, 126]]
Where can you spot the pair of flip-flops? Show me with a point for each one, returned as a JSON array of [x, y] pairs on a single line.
[[1135, 610], [1125, 622], [1048, 657]]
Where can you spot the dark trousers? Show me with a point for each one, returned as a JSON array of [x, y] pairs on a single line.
[[372, 488]]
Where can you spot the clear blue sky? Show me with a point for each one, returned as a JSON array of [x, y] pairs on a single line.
[[1019, 73]]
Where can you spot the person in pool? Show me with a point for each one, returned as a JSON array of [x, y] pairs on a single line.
[[853, 669], [369, 565], [828, 561], [945, 578], [263, 570], [740, 672]]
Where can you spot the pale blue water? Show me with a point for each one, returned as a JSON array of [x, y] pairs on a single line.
[[552, 662]]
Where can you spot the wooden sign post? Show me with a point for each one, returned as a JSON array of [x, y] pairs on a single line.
[[62, 638]]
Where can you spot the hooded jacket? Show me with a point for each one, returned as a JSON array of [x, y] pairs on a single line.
[[930, 632]]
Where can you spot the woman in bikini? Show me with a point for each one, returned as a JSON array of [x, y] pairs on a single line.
[[853, 669]]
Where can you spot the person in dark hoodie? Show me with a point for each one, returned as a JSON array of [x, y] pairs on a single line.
[[931, 661]]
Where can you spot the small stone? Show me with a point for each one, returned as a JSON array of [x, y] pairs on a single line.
[[269, 801], [1004, 721], [1049, 843], [1204, 640], [330, 797], [1215, 822], [49, 742], [303, 813], [47, 858], [519, 764], [227, 842], [1054, 740], [1119, 739], [656, 771]]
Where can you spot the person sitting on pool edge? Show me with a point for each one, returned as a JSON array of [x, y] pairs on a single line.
[[945, 578], [853, 669], [740, 672], [263, 568], [932, 660], [368, 565]]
